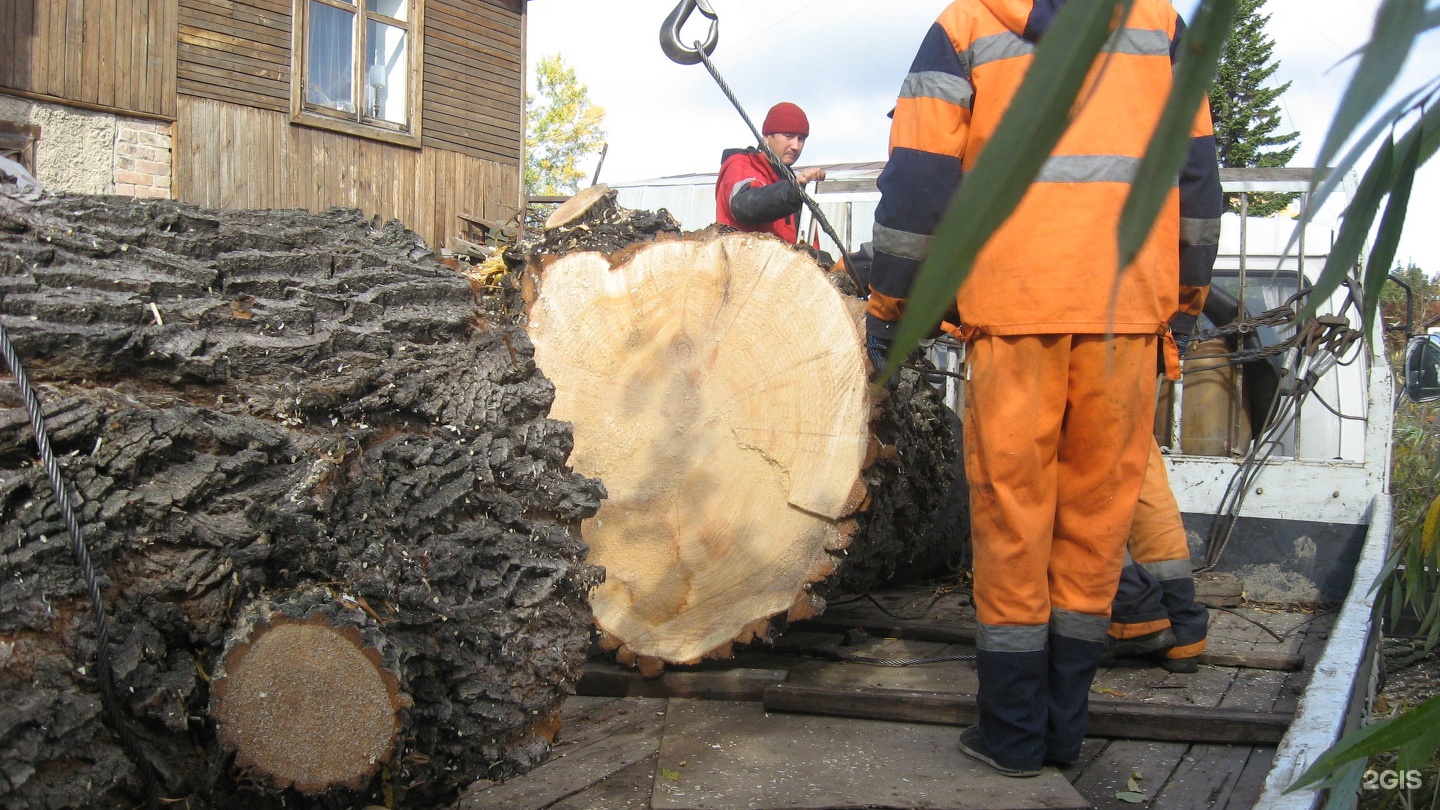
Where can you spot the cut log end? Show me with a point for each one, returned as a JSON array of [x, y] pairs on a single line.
[[719, 388], [308, 705], [579, 206]]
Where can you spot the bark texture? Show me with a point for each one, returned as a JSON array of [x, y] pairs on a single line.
[[719, 386], [277, 423]]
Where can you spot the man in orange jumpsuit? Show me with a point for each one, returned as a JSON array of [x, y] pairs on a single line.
[[1060, 353]]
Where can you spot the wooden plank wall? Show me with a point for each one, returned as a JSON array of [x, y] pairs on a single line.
[[239, 51], [234, 156], [236, 51], [117, 54], [474, 77]]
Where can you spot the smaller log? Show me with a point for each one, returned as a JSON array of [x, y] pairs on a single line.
[[307, 702], [600, 197]]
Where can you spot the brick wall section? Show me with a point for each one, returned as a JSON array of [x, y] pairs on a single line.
[[143, 159]]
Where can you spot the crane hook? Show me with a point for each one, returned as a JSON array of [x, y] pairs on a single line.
[[670, 33]]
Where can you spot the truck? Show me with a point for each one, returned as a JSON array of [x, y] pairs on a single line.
[[1278, 448]]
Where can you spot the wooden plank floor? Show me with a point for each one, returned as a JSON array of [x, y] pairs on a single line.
[[607, 755]]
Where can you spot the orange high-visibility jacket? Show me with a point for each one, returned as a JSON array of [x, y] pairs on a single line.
[[1051, 267]]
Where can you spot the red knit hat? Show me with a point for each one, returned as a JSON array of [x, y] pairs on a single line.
[[785, 117]]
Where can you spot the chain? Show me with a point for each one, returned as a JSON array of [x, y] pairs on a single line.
[[1331, 333]]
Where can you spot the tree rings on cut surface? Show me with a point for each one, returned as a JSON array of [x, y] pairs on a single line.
[[580, 205], [718, 387], [307, 703]]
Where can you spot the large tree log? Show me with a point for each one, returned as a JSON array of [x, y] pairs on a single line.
[[719, 387], [335, 529]]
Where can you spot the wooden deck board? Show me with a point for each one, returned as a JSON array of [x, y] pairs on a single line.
[[736, 756], [1110, 772], [1248, 786], [607, 754], [1204, 778], [628, 789], [572, 770]]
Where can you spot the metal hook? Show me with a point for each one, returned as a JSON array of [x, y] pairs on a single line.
[[670, 33]]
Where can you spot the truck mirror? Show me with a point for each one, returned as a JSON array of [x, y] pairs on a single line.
[[1422, 368]]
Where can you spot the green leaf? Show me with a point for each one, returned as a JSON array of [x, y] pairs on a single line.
[[1376, 738], [1397, 24], [1432, 523], [1432, 621], [1130, 796], [1392, 561], [1415, 753], [1377, 181], [1353, 229], [1387, 240], [673, 776], [1033, 124], [1330, 178], [1345, 786], [1200, 52]]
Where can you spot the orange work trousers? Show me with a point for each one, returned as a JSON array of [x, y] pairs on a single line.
[[1057, 436], [1163, 594], [1157, 534]]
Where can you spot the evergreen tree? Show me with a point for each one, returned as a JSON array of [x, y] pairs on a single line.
[[563, 127], [1246, 112]]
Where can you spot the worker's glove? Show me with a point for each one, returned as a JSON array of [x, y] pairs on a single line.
[[879, 350], [1182, 328], [1182, 342]]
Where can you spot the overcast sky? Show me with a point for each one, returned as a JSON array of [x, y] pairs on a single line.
[[843, 62]]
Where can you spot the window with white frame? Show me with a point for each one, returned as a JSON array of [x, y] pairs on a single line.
[[357, 66]]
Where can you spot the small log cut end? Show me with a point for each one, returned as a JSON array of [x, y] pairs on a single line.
[[307, 704]]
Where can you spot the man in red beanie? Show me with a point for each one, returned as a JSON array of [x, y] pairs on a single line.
[[749, 194]]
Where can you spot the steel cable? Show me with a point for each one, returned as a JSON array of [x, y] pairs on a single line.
[[1317, 346], [785, 171], [61, 489]]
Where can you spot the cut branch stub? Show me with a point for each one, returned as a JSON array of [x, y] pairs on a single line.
[[595, 197], [307, 703], [719, 389]]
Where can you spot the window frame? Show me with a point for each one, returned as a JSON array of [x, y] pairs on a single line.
[[17, 141], [356, 123]]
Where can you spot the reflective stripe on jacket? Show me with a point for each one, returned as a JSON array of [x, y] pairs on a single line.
[[1051, 267], [750, 195]]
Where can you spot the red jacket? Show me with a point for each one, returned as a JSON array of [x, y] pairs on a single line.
[[750, 195]]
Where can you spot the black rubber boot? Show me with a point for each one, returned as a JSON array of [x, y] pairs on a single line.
[[1012, 706], [1072, 667]]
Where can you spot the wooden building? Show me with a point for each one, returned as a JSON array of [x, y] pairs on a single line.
[[406, 109]]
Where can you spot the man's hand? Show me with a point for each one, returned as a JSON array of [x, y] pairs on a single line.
[[812, 174]]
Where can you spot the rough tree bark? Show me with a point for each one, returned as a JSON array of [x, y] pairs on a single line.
[[719, 386], [336, 532]]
